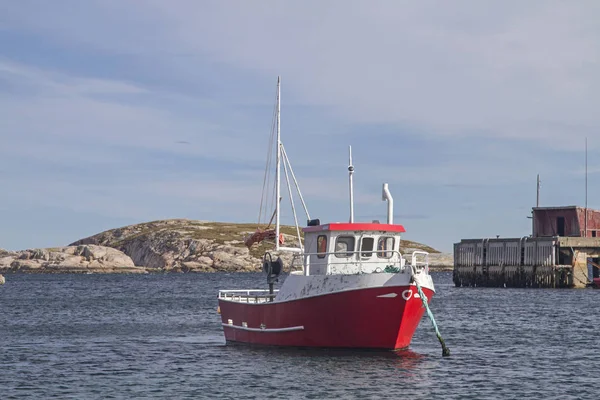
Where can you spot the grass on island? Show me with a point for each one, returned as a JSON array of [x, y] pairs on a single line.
[[218, 232]]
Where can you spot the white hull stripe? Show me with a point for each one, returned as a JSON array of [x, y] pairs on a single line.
[[389, 295], [243, 328]]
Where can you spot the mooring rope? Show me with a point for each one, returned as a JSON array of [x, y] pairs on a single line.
[[445, 350]]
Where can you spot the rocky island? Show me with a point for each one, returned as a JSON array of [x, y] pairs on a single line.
[[174, 245]]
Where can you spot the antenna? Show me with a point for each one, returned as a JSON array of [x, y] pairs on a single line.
[[586, 190], [537, 202], [351, 187]]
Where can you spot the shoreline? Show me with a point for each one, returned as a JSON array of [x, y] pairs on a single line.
[[144, 271]]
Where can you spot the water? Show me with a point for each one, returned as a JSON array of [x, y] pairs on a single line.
[[159, 336]]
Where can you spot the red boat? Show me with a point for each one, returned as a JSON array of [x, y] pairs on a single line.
[[342, 298], [354, 289]]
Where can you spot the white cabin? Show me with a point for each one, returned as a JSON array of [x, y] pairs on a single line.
[[351, 248]]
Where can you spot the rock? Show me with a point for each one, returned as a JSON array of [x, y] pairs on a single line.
[[441, 261], [226, 261], [2, 280], [6, 260], [7, 253], [85, 258], [193, 266], [40, 254]]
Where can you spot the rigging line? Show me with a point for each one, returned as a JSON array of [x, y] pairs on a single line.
[[287, 181], [267, 167], [273, 145], [273, 195], [270, 193], [285, 157], [266, 182], [266, 192]]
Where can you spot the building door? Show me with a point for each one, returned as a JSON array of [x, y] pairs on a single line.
[[560, 226]]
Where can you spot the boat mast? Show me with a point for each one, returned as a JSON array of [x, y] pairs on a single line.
[[350, 172], [277, 171]]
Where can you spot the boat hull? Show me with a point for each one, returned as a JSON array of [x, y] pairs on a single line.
[[368, 318]]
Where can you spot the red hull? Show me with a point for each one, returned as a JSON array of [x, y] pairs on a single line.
[[349, 319]]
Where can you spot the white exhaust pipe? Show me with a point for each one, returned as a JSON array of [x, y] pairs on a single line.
[[350, 172], [386, 195]]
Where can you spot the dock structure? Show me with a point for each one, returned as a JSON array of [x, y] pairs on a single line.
[[565, 240]]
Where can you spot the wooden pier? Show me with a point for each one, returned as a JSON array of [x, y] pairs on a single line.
[[564, 241], [542, 262]]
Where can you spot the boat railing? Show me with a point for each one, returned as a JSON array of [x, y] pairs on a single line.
[[420, 261], [248, 296], [390, 260]]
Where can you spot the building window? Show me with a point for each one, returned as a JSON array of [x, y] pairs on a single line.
[[385, 245], [366, 247], [344, 246], [321, 246], [593, 233]]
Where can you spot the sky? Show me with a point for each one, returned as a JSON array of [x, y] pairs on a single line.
[[115, 112]]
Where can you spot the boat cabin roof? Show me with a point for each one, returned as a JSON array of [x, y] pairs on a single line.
[[355, 226]]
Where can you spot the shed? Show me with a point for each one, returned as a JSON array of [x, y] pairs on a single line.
[[565, 221]]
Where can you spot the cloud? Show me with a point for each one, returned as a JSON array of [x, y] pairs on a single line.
[[462, 185], [591, 170], [61, 111], [142, 200], [501, 69], [58, 84]]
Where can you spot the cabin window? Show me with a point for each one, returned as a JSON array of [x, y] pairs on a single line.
[[366, 247], [344, 246], [385, 245], [321, 246]]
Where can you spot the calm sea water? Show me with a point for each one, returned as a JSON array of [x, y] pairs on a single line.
[[159, 336]]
